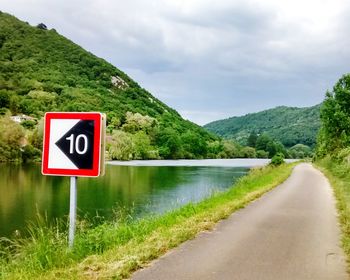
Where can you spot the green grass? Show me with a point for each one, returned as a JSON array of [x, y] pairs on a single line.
[[117, 248], [338, 173]]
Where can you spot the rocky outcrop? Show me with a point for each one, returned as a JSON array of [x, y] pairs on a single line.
[[119, 82]]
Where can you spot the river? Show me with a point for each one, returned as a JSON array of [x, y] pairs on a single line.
[[142, 187]]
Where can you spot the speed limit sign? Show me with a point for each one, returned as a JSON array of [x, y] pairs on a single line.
[[72, 144]]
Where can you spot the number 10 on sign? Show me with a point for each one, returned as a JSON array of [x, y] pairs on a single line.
[[77, 149]]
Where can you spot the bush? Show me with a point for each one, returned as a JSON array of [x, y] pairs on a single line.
[[11, 137], [142, 148], [28, 124], [277, 159], [262, 154], [248, 152], [121, 146], [300, 151], [30, 153]]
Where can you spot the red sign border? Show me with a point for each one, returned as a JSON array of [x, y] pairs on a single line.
[[95, 171]]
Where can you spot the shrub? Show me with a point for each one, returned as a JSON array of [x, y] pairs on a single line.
[[262, 154], [277, 159], [121, 146], [248, 152], [42, 26]]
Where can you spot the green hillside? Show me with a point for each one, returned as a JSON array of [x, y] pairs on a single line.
[[289, 125], [41, 71]]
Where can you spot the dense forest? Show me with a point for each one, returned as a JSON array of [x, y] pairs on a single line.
[[289, 125]]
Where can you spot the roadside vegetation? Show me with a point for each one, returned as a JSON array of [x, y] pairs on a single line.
[[114, 249], [277, 159], [333, 151], [337, 170]]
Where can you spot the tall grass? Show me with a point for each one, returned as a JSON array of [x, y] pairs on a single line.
[[115, 248], [337, 170]]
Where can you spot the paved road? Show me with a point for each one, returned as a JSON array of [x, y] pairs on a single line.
[[289, 233]]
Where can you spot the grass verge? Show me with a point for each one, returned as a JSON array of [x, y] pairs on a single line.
[[337, 170], [116, 249]]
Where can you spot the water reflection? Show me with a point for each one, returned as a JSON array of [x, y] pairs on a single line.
[[24, 192]]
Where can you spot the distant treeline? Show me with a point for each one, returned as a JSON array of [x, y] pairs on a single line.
[[288, 125], [142, 137]]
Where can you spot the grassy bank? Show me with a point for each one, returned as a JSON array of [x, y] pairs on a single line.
[[116, 249], [337, 170]]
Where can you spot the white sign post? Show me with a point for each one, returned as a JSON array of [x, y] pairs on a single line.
[[73, 146], [72, 210]]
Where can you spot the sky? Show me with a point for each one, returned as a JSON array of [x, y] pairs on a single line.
[[210, 59]]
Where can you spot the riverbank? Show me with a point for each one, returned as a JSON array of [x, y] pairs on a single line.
[[237, 162], [141, 190], [116, 249], [337, 170]]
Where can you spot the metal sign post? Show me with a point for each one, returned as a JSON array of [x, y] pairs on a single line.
[[72, 210]]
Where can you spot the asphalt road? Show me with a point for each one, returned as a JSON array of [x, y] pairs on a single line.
[[289, 233]]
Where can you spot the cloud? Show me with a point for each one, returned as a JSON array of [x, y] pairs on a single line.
[[210, 59]]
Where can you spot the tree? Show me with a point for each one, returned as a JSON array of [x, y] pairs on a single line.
[[335, 118], [266, 143], [194, 145], [262, 142], [11, 140], [251, 142], [275, 147], [300, 151], [169, 144], [29, 153], [142, 148], [36, 136], [230, 149], [248, 152], [5, 100], [121, 146], [136, 122], [262, 154], [215, 148], [113, 123]]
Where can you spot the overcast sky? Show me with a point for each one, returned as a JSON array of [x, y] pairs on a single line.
[[210, 59]]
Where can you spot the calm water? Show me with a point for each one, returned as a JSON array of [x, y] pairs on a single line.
[[24, 192]]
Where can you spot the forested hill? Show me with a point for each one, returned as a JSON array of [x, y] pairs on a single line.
[[41, 71], [289, 125]]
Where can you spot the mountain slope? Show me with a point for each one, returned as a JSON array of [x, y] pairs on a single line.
[[67, 76], [289, 125], [41, 71]]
